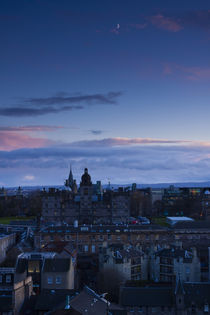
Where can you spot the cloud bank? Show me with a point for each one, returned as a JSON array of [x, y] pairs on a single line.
[[121, 159], [58, 103]]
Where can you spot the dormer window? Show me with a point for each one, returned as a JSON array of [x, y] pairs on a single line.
[[58, 280], [50, 280], [8, 278], [206, 308]]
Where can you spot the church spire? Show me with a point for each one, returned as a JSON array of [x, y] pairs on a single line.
[[71, 179]]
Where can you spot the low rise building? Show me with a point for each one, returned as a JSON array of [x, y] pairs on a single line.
[[169, 264], [14, 290], [45, 268], [58, 273], [88, 205], [181, 299], [6, 242], [175, 220], [130, 263]]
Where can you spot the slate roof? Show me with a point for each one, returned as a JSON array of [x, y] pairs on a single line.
[[59, 247], [21, 265], [88, 302], [118, 312], [179, 288], [29, 305], [146, 296], [175, 253], [198, 293], [56, 265], [128, 253], [5, 303], [192, 225], [52, 299], [103, 229], [71, 311]]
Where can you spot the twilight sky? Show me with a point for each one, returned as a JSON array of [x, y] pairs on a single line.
[[121, 87]]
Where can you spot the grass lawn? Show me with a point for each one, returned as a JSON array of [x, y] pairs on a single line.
[[160, 221], [6, 220]]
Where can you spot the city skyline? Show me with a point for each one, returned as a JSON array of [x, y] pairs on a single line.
[[120, 88]]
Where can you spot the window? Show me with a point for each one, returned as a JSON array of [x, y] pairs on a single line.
[[0, 278], [58, 280], [93, 249], [109, 237], [8, 278], [50, 280], [187, 269], [33, 266], [86, 248], [206, 308]]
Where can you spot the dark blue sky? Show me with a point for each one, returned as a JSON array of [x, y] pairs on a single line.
[[121, 87]]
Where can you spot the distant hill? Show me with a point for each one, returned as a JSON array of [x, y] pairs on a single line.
[[115, 186]]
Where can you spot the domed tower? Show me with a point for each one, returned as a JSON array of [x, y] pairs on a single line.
[[86, 191], [86, 179]]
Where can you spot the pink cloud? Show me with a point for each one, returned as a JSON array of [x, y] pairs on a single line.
[[118, 141], [30, 128], [167, 69], [165, 23], [190, 73], [195, 73], [13, 140]]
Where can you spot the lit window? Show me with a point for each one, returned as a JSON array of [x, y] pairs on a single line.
[[50, 280], [8, 278], [58, 280], [187, 270]]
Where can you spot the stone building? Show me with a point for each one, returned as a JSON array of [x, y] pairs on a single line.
[[169, 264], [14, 290], [130, 263], [178, 299], [48, 270], [58, 273], [87, 206], [6, 242], [90, 239]]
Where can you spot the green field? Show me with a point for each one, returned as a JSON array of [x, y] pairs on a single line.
[[6, 220], [160, 221]]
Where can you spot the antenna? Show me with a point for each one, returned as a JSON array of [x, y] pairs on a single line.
[[109, 183]]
